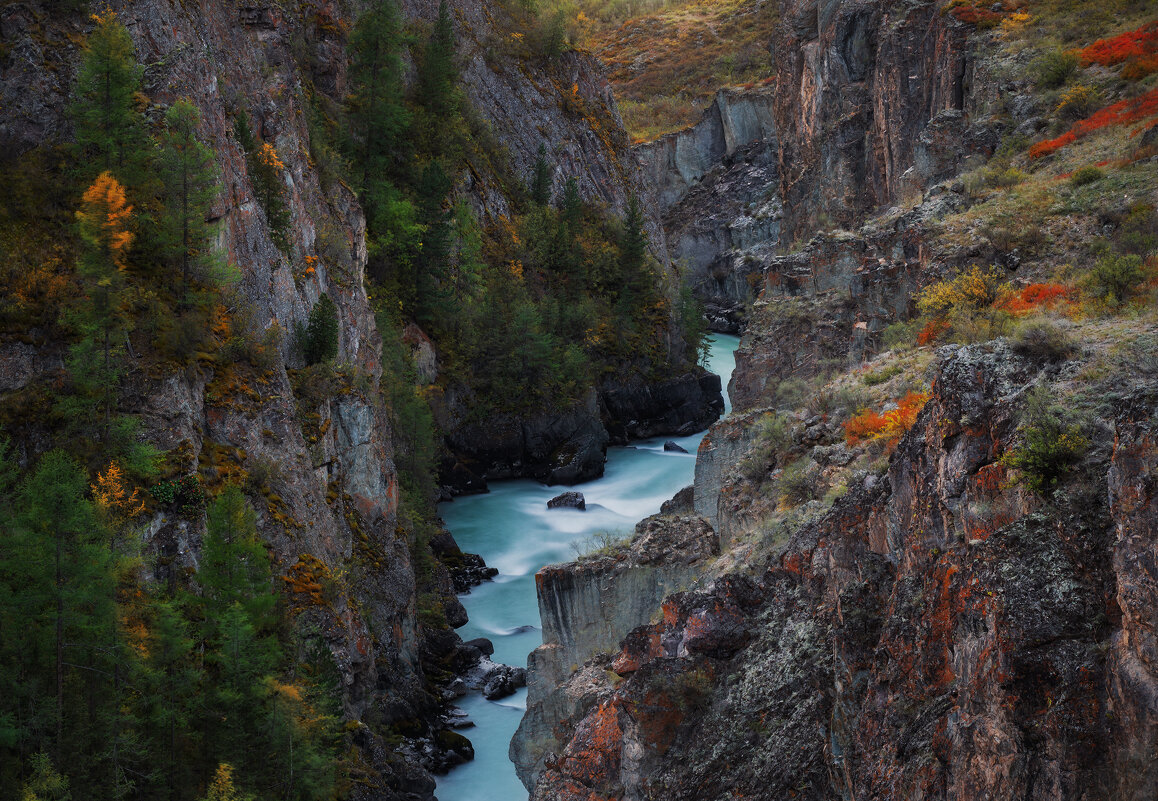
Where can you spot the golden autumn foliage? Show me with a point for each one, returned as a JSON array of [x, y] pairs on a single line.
[[268, 156], [222, 788], [112, 496], [105, 217]]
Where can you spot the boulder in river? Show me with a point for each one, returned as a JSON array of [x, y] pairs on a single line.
[[568, 500], [672, 445], [503, 682], [496, 680], [483, 644]]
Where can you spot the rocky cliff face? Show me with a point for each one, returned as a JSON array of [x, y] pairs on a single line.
[[587, 608], [717, 187], [936, 634], [332, 498], [331, 492], [873, 104], [874, 101]]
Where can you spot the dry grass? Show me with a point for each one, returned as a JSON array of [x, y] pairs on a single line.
[[667, 63]]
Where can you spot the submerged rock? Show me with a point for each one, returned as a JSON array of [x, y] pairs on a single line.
[[568, 500], [672, 445]]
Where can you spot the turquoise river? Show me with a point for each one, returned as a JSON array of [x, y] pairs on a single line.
[[514, 531]]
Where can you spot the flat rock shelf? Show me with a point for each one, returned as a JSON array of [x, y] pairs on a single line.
[[514, 531]]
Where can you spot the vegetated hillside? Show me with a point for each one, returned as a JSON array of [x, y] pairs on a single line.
[[246, 250], [667, 58], [932, 500]]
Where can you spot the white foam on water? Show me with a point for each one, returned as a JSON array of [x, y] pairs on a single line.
[[514, 531]]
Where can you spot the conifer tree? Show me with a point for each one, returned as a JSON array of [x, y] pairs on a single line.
[[376, 116], [571, 206], [110, 132], [172, 682], [189, 174], [541, 179], [431, 264], [439, 73], [104, 223], [234, 564], [320, 341]]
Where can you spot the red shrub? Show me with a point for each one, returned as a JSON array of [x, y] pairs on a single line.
[[1123, 112], [981, 17], [932, 331], [1136, 44], [1047, 294]]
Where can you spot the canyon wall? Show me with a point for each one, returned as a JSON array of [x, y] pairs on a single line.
[[935, 634], [331, 488]]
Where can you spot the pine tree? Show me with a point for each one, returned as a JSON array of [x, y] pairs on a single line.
[[571, 205], [541, 179], [376, 115], [430, 268], [110, 132], [189, 173], [320, 340], [633, 246], [438, 73], [172, 683], [59, 621], [104, 221], [234, 564]]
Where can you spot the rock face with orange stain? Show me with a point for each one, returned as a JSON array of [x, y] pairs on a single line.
[[938, 633], [587, 607]]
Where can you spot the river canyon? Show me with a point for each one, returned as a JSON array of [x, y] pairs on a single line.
[[514, 531]]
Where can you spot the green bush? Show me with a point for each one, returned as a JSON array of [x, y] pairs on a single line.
[[1050, 445], [899, 335], [1114, 278], [791, 393], [881, 376], [773, 434], [1042, 340], [1052, 69], [1086, 175], [796, 485]]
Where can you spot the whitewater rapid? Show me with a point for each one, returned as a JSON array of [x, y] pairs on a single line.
[[514, 532]]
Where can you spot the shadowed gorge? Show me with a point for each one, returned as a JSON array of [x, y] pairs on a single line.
[[369, 426]]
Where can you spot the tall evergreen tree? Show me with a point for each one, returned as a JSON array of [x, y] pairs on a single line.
[[189, 173], [320, 338], [59, 619], [110, 132], [104, 222], [541, 179], [376, 114], [438, 75], [235, 565]]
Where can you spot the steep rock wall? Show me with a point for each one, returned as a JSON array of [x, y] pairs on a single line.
[[874, 101], [937, 634], [717, 187], [586, 608]]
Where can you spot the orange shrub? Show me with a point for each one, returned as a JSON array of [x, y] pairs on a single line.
[[932, 331], [890, 425]]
